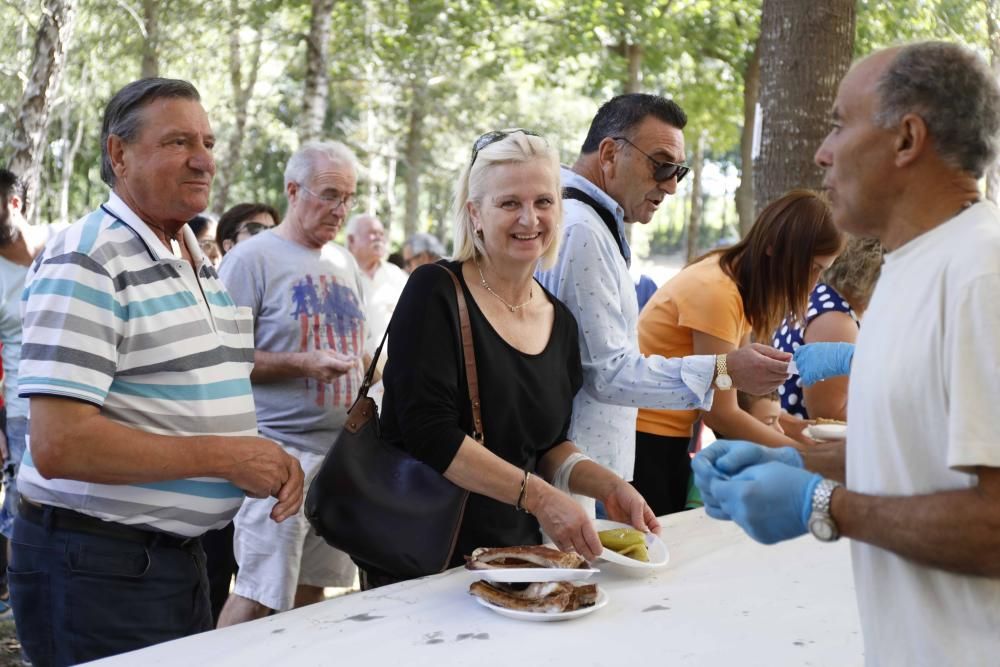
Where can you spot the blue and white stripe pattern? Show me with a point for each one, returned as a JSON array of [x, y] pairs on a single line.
[[112, 319]]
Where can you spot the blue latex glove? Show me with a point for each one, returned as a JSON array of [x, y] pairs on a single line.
[[819, 361], [771, 501], [725, 458]]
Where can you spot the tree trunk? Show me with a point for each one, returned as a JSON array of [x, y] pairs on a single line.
[[32, 122], [317, 71], [751, 93], [414, 157], [633, 58], [805, 49], [242, 95], [151, 45], [697, 202], [68, 158], [993, 29]]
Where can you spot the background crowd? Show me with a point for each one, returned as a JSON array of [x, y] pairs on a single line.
[[186, 376]]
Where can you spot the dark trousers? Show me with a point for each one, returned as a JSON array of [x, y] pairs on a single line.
[[221, 563], [662, 471], [79, 597]]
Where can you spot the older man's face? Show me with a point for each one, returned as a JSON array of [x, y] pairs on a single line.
[[166, 174], [318, 208], [857, 155], [367, 243]]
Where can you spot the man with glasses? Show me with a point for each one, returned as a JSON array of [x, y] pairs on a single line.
[[630, 161], [306, 296], [421, 248]]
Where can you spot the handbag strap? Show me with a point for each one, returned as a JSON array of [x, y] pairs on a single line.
[[469, 353]]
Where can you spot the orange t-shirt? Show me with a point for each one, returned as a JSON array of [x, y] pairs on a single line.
[[699, 298]]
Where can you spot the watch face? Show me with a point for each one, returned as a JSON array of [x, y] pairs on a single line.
[[724, 382], [822, 529]]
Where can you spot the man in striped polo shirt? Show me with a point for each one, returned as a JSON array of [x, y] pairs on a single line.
[[136, 362]]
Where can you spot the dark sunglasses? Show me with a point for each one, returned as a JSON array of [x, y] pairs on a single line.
[[662, 171], [251, 228], [495, 136]]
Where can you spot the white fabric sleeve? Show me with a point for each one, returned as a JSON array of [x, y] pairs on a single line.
[[973, 356]]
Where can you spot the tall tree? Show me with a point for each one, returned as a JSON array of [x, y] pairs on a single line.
[[151, 33], [805, 50], [48, 60], [240, 101], [697, 203], [751, 96], [317, 84], [993, 30]]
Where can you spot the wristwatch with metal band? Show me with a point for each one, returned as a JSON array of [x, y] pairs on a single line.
[[722, 379], [821, 524]]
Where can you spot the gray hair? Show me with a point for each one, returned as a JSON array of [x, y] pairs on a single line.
[[953, 90], [422, 242], [303, 161], [123, 115], [351, 228]]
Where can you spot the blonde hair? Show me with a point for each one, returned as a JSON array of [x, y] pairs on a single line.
[[516, 148]]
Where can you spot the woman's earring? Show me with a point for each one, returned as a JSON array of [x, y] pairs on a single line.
[[479, 233]]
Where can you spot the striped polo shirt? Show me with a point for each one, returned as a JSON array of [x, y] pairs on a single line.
[[111, 317]]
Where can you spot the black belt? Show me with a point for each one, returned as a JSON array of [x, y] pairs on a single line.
[[66, 519]]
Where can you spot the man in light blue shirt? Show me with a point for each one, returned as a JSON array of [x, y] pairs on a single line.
[[630, 161]]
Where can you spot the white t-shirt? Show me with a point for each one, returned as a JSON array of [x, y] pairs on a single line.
[[924, 394], [381, 293]]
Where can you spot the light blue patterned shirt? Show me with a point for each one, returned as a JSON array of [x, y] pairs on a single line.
[[591, 277]]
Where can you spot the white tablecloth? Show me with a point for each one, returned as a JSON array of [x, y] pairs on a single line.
[[723, 600]]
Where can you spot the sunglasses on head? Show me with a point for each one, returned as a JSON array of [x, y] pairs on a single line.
[[662, 171], [495, 136]]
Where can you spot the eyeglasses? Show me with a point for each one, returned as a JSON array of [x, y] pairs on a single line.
[[662, 171], [335, 200], [251, 228], [495, 136]]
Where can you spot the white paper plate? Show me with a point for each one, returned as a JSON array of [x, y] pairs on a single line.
[[516, 575], [659, 555], [602, 600], [826, 431]]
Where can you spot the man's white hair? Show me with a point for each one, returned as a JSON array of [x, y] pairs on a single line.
[[351, 228], [301, 165]]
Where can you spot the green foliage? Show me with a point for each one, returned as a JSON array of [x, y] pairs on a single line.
[[460, 67]]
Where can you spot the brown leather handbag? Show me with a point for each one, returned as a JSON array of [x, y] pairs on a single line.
[[380, 505]]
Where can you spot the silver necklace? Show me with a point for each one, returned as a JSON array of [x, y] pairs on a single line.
[[512, 308]]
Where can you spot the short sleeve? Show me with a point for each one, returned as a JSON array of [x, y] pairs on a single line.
[[72, 324], [974, 378], [715, 309]]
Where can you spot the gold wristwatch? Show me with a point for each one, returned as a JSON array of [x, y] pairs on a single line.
[[722, 379]]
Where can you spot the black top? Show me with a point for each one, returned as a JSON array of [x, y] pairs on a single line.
[[527, 399]]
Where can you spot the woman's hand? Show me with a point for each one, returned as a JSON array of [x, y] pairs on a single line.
[[562, 519], [626, 505]]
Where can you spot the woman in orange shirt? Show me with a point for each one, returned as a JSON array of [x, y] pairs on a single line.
[[712, 307]]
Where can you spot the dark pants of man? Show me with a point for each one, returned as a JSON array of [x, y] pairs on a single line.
[[79, 596], [662, 471]]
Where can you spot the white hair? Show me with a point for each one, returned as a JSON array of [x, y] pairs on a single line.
[[302, 163], [351, 228], [516, 148]]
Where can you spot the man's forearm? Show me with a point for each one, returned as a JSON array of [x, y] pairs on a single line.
[[276, 366], [957, 531], [73, 440]]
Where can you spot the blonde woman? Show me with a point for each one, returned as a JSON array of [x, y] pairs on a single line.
[[508, 217]]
